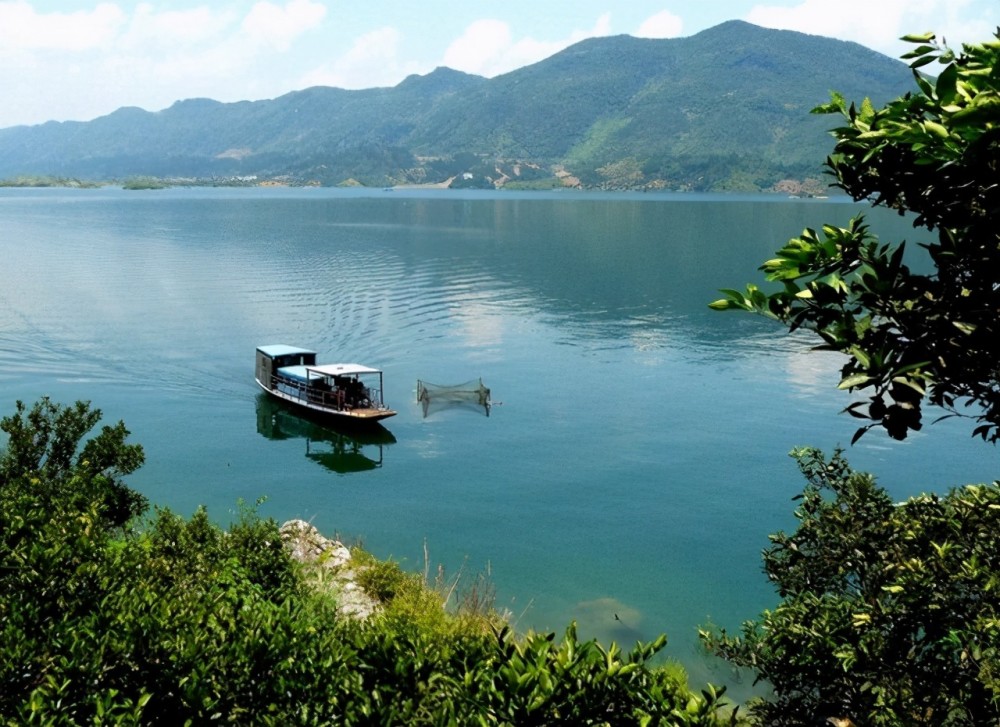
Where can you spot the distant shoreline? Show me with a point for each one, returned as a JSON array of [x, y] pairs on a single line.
[[154, 183]]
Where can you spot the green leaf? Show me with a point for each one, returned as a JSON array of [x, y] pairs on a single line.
[[918, 38], [862, 356], [936, 129], [910, 383], [922, 50], [922, 62], [854, 380], [947, 85], [724, 304]]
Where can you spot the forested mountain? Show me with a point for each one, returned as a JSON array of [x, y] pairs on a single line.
[[727, 108]]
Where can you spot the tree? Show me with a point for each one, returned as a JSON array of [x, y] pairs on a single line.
[[890, 614], [909, 337], [44, 461]]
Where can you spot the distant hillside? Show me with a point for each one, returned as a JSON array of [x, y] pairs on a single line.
[[727, 108]]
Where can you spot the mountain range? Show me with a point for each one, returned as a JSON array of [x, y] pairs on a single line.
[[725, 109]]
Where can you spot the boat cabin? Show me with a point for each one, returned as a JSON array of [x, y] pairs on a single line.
[[272, 358]]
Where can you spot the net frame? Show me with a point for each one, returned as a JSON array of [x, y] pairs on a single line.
[[469, 393]]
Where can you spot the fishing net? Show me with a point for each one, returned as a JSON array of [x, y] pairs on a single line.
[[471, 394]]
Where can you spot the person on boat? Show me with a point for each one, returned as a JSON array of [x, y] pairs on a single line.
[[340, 391], [355, 392]]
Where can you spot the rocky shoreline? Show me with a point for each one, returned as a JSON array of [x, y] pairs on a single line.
[[329, 567]]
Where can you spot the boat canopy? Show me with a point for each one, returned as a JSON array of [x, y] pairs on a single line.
[[300, 373], [280, 349], [344, 369]]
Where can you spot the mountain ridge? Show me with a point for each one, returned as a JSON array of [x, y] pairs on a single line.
[[724, 109]]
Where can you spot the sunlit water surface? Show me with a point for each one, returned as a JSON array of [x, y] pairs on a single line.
[[635, 459]]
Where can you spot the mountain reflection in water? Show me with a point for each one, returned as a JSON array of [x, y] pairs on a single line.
[[340, 451]]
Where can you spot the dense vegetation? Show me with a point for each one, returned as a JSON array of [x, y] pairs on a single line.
[[726, 109], [106, 619], [890, 612], [45, 181]]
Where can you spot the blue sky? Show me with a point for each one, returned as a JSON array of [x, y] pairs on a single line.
[[79, 59]]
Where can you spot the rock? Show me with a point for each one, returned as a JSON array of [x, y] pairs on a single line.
[[307, 545], [328, 564]]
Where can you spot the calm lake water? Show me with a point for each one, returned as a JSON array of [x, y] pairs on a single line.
[[636, 458]]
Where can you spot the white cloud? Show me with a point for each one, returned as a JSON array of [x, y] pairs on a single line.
[[838, 20], [169, 29], [278, 27], [23, 28], [167, 55], [378, 46], [479, 48], [79, 65], [662, 25], [488, 48], [601, 27], [883, 21], [372, 60]]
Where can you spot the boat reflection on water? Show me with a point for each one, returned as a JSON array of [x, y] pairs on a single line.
[[338, 450]]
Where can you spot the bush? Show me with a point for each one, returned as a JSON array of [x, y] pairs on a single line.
[[175, 621], [890, 613]]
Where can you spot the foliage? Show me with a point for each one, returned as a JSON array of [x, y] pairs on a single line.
[[183, 622], [909, 337], [135, 183], [890, 613], [540, 681], [46, 181], [44, 464], [175, 621]]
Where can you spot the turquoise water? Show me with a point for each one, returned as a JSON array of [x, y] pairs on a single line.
[[634, 462]]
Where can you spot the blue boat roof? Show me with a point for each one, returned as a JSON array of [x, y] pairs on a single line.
[[299, 373], [280, 349]]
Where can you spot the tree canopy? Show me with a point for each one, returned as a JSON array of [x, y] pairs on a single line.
[[910, 337], [46, 464], [890, 612]]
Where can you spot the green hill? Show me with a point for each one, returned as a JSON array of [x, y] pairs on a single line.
[[727, 108]]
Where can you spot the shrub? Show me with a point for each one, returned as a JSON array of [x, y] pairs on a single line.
[[890, 612], [176, 621]]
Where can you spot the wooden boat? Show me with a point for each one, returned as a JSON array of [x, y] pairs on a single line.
[[347, 392]]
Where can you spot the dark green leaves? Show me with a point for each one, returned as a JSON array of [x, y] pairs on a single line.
[[889, 611], [935, 154], [46, 458]]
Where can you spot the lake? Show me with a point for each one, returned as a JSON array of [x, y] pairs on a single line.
[[635, 459]]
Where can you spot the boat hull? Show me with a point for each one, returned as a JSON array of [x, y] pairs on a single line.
[[358, 414]]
